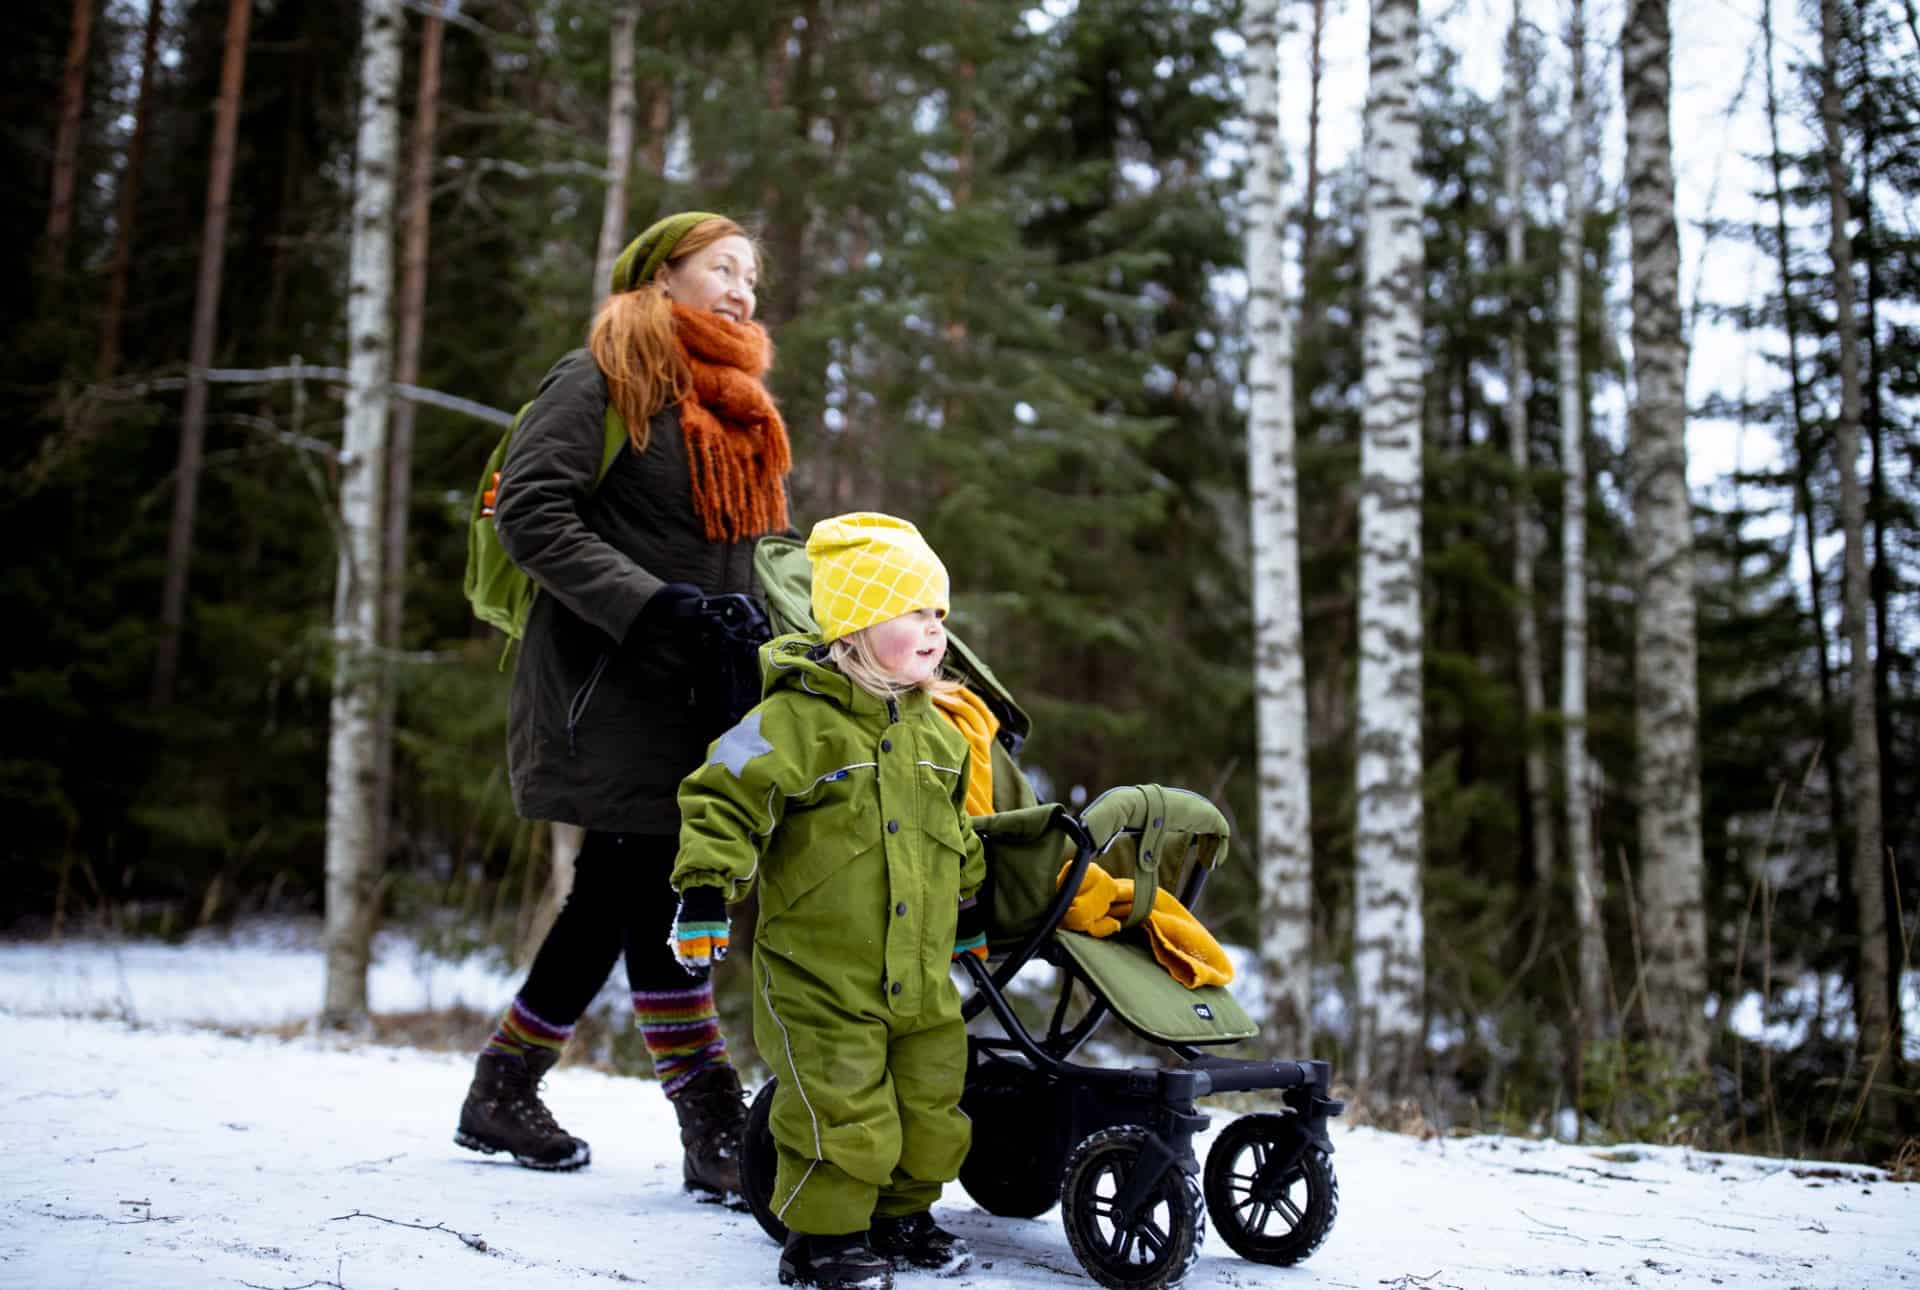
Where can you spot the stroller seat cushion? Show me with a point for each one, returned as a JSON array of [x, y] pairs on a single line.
[[1134, 985]]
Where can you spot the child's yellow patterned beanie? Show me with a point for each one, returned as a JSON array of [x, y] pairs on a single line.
[[868, 568]]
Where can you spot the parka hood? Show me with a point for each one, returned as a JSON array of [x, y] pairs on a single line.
[[798, 661]]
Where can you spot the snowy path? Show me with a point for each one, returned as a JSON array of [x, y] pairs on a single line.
[[148, 1158]]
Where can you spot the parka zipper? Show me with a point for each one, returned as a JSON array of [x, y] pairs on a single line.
[[577, 710]]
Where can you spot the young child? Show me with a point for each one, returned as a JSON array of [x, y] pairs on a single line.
[[844, 792]]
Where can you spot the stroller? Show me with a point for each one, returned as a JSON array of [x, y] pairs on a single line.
[[1112, 1147]]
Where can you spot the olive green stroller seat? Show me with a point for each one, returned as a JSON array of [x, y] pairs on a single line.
[[1112, 1146]]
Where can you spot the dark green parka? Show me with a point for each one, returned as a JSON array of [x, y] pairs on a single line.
[[600, 727]]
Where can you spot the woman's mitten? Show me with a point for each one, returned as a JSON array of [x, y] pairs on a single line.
[[700, 930]]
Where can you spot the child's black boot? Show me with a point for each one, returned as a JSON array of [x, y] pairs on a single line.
[[916, 1241], [833, 1261], [713, 1114], [503, 1112]]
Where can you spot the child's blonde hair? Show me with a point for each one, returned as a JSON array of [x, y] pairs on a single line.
[[853, 655]]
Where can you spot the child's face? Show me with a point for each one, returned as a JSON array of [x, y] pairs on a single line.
[[911, 646]]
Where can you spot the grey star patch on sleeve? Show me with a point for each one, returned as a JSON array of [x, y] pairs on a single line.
[[740, 745]]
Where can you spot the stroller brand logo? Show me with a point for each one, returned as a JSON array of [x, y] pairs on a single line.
[[1203, 1012]]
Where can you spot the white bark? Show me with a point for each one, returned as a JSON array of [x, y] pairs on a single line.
[[613, 215], [352, 868], [1673, 928], [1389, 931], [1533, 699], [1589, 888], [1285, 864], [1871, 1008]]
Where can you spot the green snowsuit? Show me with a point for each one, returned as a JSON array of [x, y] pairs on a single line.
[[848, 809]]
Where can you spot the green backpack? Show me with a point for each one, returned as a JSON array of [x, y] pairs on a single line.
[[499, 590]]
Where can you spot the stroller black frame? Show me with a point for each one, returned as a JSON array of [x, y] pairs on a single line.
[[1114, 1147]]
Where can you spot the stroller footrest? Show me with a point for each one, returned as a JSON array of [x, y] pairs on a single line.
[[1228, 1075]]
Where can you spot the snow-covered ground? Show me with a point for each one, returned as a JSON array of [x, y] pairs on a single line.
[[139, 1152]]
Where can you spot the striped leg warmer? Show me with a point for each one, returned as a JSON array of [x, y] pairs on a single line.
[[520, 1031], [682, 1033]]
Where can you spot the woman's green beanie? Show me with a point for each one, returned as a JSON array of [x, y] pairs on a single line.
[[646, 253]]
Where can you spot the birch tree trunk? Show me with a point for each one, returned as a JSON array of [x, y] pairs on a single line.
[[1533, 700], [1665, 651], [620, 101], [406, 371], [206, 313], [1870, 996], [129, 202], [1286, 845], [352, 868], [1389, 931], [1589, 887], [66, 139]]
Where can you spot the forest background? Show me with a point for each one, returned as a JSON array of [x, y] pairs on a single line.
[[1007, 279]]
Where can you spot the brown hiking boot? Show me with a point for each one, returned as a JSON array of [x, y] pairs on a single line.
[[713, 1112], [503, 1112]]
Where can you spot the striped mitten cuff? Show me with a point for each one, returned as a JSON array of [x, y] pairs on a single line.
[[700, 929], [970, 933]]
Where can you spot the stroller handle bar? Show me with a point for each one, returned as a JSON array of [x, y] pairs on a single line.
[[1069, 887]]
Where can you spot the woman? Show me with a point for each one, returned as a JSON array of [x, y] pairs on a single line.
[[606, 713]]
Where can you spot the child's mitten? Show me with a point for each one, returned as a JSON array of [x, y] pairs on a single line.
[[970, 934], [700, 930]]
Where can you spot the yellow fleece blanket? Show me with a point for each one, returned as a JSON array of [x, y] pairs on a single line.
[[1182, 946]]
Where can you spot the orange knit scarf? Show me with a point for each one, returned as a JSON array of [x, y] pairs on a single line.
[[737, 454]]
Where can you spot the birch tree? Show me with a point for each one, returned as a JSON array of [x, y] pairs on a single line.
[[1666, 699], [206, 313], [1589, 889], [352, 867], [1533, 698], [1870, 989], [620, 108], [1286, 846], [1389, 931]]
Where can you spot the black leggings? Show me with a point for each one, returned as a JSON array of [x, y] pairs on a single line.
[[620, 900]]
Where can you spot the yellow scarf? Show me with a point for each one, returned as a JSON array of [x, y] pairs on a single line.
[[976, 723]]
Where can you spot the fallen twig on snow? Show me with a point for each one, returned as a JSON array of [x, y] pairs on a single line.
[[472, 1241]]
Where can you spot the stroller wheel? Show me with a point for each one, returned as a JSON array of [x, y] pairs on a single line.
[[1267, 1209], [1154, 1247], [758, 1161]]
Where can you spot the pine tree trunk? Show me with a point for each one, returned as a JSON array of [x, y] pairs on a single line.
[[1666, 648], [66, 140], [620, 108], [1880, 573], [1805, 464], [129, 202], [352, 868], [1285, 873], [1533, 700], [1589, 885], [1316, 71], [1389, 932], [406, 371], [1870, 994], [206, 312]]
